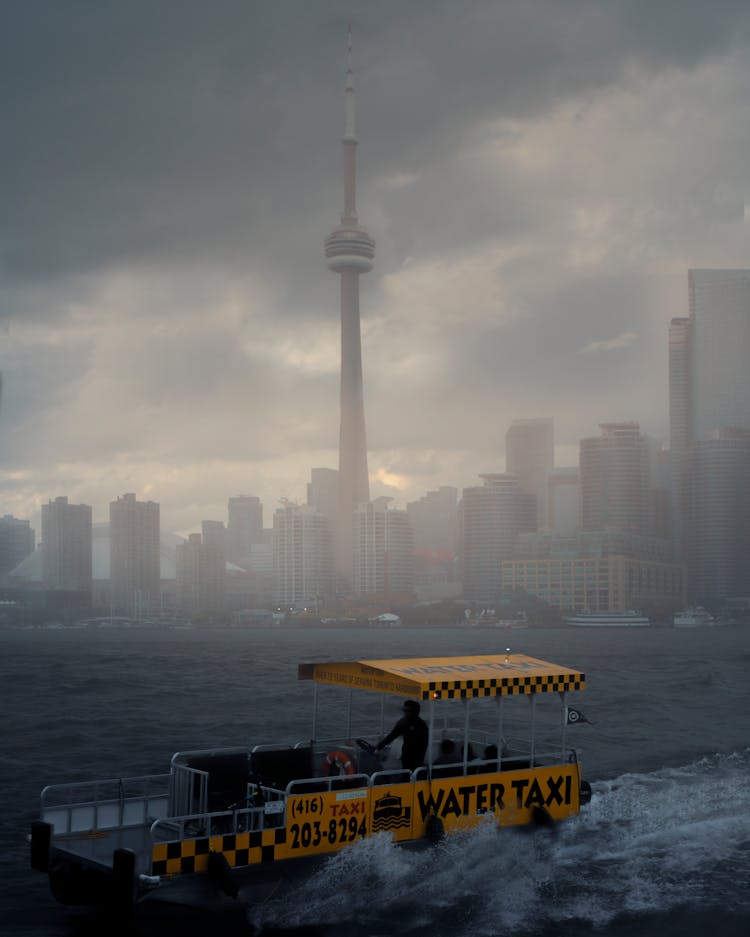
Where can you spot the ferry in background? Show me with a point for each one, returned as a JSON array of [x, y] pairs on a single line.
[[697, 617], [627, 619]]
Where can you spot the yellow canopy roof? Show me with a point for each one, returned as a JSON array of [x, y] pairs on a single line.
[[448, 677]]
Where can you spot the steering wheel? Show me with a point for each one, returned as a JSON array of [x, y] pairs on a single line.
[[365, 746]]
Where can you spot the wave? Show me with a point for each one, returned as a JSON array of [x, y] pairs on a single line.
[[647, 845]]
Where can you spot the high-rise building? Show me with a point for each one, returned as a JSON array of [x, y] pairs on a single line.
[[323, 494], [383, 551], [201, 581], [66, 546], [434, 520], [134, 556], [16, 542], [302, 557], [717, 521], [616, 480], [350, 251], [680, 425], [719, 350], [530, 456], [563, 500], [244, 527], [709, 402], [491, 521], [680, 393]]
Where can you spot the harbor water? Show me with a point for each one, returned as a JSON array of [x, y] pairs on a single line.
[[662, 849]]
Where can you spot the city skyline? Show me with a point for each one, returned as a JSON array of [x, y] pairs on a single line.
[[538, 188]]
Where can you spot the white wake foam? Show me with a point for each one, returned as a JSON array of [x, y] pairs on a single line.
[[646, 843]]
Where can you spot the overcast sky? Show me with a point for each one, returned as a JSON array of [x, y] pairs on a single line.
[[538, 176]]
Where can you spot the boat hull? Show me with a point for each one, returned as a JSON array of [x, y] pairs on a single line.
[[209, 872], [612, 620]]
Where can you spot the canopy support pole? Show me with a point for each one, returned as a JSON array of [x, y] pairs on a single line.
[[466, 702], [315, 712], [431, 723], [533, 730], [499, 703]]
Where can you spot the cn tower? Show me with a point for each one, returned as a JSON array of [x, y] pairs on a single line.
[[350, 251]]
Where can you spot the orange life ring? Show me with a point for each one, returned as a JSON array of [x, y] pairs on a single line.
[[339, 760]]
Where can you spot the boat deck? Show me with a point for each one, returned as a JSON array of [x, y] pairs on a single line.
[[98, 846]]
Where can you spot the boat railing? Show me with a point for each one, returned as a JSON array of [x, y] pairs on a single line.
[[382, 778], [83, 806], [322, 785], [208, 780], [262, 808], [188, 790], [520, 750]]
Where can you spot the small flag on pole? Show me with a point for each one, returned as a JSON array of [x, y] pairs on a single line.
[[575, 716]]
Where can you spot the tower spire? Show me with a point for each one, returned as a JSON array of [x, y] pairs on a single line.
[[350, 124]]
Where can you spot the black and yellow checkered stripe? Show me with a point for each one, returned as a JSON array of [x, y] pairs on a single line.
[[504, 686], [191, 855]]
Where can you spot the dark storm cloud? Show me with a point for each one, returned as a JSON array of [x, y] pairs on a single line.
[[537, 174], [140, 133]]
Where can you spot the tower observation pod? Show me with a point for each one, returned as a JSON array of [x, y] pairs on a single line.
[[350, 251]]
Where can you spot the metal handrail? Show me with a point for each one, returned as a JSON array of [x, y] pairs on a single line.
[[219, 822], [118, 783], [89, 805], [330, 783]]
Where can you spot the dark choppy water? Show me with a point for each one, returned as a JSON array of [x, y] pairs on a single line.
[[663, 848]]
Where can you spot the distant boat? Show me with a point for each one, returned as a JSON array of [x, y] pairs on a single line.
[[696, 617], [488, 618], [627, 619]]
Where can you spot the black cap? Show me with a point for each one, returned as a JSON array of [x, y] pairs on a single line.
[[411, 706]]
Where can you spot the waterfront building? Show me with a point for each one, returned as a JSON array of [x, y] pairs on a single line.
[[134, 539], [600, 571]]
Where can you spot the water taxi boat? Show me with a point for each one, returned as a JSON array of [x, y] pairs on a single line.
[[236, 823]]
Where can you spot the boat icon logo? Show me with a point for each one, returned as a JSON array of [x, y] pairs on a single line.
[[390, 814]]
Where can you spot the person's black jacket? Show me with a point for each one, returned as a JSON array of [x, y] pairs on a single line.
[[415, 733]]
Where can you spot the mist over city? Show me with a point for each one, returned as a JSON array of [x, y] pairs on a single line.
[[550, 251]]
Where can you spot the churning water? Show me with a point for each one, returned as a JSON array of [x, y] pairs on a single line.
[[662, 849]]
